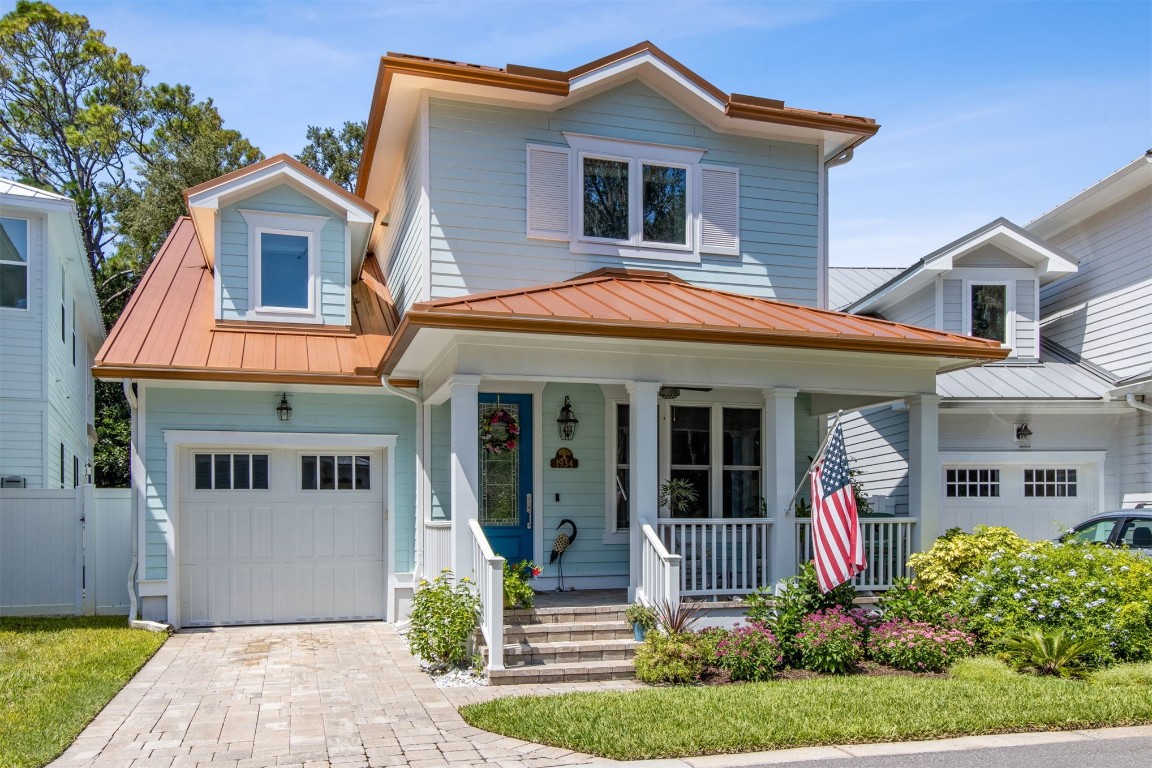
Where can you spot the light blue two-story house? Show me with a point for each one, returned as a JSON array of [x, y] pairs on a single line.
[[551, 291], [50, 329]]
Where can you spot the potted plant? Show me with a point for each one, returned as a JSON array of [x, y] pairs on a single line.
[[642, 618], [677, 495], [518, 592]]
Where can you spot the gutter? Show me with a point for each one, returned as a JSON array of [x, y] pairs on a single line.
[[1131, 400], [422, 462]]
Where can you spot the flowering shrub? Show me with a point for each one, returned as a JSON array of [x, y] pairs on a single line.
[[829, 641], [918, 646], [518, 593], [800, 596], [957, 554], [1086, 590], [905, 600], [709, 642], [670, 658], [750, 652]]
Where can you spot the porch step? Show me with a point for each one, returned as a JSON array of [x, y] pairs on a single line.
[[524, 655], [574, 672], [565, 643]]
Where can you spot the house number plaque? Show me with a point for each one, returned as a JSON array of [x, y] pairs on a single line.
[[564, 460]]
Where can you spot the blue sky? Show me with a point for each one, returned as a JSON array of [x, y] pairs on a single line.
[[988, 108]]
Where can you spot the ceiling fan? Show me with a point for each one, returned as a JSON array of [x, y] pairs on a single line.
[[671, 393]]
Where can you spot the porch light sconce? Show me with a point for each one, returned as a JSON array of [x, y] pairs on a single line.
[[88, 472], [1023, 433], [566, 424], [284, 411]]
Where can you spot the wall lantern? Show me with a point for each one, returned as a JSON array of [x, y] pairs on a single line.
[[566, 424], [1023, 433], [284, 411]]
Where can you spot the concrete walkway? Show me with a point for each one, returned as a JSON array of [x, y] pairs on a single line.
[[312, 695]]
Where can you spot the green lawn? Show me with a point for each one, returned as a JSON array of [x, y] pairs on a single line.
[[679, 722], [56, 675]]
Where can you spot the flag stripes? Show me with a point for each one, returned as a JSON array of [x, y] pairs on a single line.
[[837, 548]]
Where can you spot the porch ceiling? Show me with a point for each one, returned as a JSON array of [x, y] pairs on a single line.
[[656, 306]]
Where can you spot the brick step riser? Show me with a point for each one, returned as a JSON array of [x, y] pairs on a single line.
[[518, 657], [530, 675], [517, 635], [517, 618]]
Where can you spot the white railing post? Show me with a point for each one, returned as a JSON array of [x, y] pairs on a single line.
[[659, 571], [490, 586]]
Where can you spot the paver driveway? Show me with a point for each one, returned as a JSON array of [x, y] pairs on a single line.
[[307, 695]]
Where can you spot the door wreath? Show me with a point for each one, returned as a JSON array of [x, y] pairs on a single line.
[[499, 431]]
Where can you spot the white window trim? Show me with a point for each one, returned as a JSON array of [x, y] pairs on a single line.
[[1091, 484], [27, 264], [636, 154], [612, 533], [1009, 309], [716, 464], [275, 223]]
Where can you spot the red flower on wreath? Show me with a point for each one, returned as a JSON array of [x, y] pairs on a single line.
[[499, 432]]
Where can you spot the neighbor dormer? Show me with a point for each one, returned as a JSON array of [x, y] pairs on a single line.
[[985, 284], [284, 244]]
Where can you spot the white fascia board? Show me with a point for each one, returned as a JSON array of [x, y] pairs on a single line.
[[220, 195], [621, 69], [219, 438], [1022, 456]]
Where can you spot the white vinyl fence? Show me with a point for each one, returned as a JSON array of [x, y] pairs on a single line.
[[64, 551]]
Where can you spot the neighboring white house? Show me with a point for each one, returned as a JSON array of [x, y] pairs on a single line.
[[1063, 427], [50, 329]]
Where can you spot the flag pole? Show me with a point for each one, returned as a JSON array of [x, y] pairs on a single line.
[[819, 455]]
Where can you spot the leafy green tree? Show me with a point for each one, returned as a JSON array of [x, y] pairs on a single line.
[[335, 154], [73, 110]]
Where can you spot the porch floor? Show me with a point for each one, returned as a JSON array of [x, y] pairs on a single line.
[[581, 598]]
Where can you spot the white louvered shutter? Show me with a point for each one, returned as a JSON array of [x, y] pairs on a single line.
[[719, 210], [549, 192]]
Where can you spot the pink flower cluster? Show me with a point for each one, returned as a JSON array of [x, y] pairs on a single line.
[[750, 652], [919, 646], [830, 641]]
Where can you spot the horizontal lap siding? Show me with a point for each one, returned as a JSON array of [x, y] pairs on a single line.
[[232, 260], [582, 493], [1133, 451], [953, 306], [440, 464], [877, 443], [23, 365], [406, 235], [327, 412], [1102, 311], [478, 197], [22, 441], [1027, 342]]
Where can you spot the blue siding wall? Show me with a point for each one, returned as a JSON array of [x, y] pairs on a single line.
[[440, 463], [877, 443], [478, 197], [581, 490], [407, 235], [232, 259], [331, 412]]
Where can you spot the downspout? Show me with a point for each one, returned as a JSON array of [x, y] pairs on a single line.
[[422, 461], [1132, 401], [134, 599], [843, 158]]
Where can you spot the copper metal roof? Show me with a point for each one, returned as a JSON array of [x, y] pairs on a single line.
[[658, 306], [168, 330]]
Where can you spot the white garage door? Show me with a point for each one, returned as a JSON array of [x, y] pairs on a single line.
[[274, 536], [1035, 499]]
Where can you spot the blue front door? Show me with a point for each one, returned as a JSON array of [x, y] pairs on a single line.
[[506, 474]]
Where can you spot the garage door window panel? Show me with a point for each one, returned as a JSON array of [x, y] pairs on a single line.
[[1050, 483], [335, 473], [965, 483], [231, 472]]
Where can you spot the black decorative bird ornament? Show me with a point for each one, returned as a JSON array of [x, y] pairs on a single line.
[[559, 547]]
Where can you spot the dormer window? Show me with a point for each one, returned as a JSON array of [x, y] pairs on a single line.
[[283, 258], [989, 311]]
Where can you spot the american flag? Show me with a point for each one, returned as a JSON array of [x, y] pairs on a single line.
[[836, 546]]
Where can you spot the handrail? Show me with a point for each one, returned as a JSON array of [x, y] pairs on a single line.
[[490, 585], [887, 543], [722, 556], [659, 571]]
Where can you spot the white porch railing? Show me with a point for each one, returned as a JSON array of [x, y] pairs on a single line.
[[437, 547], [888, 542], [490, 584], [659, 571], [726, 556]]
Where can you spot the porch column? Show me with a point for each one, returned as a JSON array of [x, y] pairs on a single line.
[[780, 475], [924, 466], [644, 480], [465, 470]]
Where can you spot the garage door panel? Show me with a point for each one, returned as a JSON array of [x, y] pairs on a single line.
[[284, 556]]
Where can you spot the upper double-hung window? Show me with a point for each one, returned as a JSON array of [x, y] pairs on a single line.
[[614, 197], [283, 265], [13, 263]]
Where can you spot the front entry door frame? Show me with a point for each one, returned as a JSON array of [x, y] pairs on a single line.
[[515, 542]]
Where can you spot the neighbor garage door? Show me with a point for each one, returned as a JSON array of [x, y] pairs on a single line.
[[1035, 499], [274, 536]]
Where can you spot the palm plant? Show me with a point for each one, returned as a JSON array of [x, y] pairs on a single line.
[[1051, 653], [678, 495], [678, 618]]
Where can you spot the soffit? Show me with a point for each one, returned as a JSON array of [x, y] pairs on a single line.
[[168, 330]]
